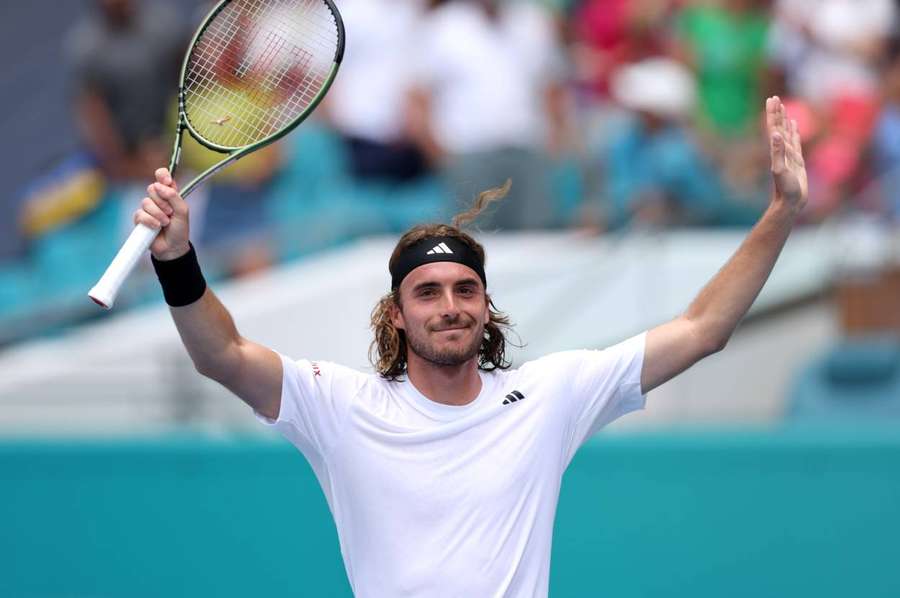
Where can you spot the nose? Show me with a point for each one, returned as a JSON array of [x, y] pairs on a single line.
[[449, 307]]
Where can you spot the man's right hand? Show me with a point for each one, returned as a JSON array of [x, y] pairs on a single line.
[[164, 208]]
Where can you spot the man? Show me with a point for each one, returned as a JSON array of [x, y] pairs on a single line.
[[125, 55], [443, 472], [487, 103]]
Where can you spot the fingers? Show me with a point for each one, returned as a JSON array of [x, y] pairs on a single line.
[[151, 215], [165, 193], [778, 153], [784, 134], [164, 177], [162, 202], [776, 117], [776, 139], [771, 110], [795, 140], [141, 216]]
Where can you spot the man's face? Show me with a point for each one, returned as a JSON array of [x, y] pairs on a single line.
[[444, 311]]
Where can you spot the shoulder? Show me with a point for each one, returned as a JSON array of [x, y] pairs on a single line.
[[325, 375], [552, 368], [556, 360], [574, 361]]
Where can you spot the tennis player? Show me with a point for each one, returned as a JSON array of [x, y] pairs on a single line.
[[443, 470]]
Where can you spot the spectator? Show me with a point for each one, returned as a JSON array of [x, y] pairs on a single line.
[[725, 43], [367, 102], [489, 104], [609, 33], [126, 56], [230, 209], [828, 59], [886, 138], [656, 174], [833, 50]]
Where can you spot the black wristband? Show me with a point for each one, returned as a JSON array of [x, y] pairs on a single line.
[[181, 279]]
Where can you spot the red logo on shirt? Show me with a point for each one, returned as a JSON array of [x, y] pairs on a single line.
[[315, 368]]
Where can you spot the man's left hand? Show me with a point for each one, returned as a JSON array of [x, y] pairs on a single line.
[[788, 168]]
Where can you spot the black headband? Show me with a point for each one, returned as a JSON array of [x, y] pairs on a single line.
[[435, 249]]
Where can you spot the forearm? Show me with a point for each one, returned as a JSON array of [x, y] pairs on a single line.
[[251, 371], [723, 302], [205, 326], [710, 320]]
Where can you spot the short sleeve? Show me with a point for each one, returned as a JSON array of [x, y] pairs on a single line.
[[314, 401], [604, 386]]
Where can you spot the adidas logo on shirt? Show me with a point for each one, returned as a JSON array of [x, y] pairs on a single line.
[[513, 397], [440, 248]]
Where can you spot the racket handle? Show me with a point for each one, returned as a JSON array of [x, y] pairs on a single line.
[[105, 291]]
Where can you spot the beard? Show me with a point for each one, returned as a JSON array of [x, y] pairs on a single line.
[[419, 344]]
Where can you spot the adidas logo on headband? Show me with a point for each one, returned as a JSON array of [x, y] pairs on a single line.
[[443, 249], [440, 248]]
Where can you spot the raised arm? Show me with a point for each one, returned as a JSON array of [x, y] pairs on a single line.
[[218, 351], [713, 316]]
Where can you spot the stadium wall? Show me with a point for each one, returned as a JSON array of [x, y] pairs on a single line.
[[789, 512]]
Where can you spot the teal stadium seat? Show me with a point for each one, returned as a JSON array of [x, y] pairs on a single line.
[[17, 288], [316, 204], [68, 259], [858, 379]]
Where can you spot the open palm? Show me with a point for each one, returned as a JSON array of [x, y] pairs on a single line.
[[788, 168]]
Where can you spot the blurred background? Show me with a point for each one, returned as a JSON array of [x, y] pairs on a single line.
[[633, 133]]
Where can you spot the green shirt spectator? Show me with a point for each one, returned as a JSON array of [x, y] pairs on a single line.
[[726, 47]]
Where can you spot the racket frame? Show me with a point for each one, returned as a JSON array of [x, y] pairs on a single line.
[[235, 153], [106, 290]]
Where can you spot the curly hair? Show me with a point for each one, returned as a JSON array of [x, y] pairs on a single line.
[[388, 349]]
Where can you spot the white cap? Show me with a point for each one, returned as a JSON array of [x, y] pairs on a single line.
[[660, 86]]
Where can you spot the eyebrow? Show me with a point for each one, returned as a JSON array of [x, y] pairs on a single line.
[[431, 284]]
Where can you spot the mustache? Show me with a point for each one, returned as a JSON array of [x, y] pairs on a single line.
[[456, 325]]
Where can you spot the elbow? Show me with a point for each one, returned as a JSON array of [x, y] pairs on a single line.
[[716, 345], [209, 370], [711, 344], [204, 369], [709, 341], [215, 370]]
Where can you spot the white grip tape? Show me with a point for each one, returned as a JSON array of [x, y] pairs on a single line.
[[105, 291]]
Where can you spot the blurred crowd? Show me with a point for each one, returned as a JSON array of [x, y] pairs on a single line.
[[606, 115]]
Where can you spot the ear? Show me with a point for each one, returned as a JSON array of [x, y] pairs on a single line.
[[487, 308], [396, 315]]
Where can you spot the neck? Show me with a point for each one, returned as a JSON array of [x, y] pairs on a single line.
[[446, 384]]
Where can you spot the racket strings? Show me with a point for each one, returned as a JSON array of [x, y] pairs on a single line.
[[271, 79], [265, 120], [258, 66]]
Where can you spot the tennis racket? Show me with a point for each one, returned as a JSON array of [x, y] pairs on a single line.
[[254, 70]]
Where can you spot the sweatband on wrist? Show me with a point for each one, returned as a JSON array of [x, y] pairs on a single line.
[[181, 279], [435, 249]]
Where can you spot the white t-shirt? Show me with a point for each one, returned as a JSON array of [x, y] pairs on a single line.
[[816, 46], [445, 501], [487, 79], [369, 95]]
